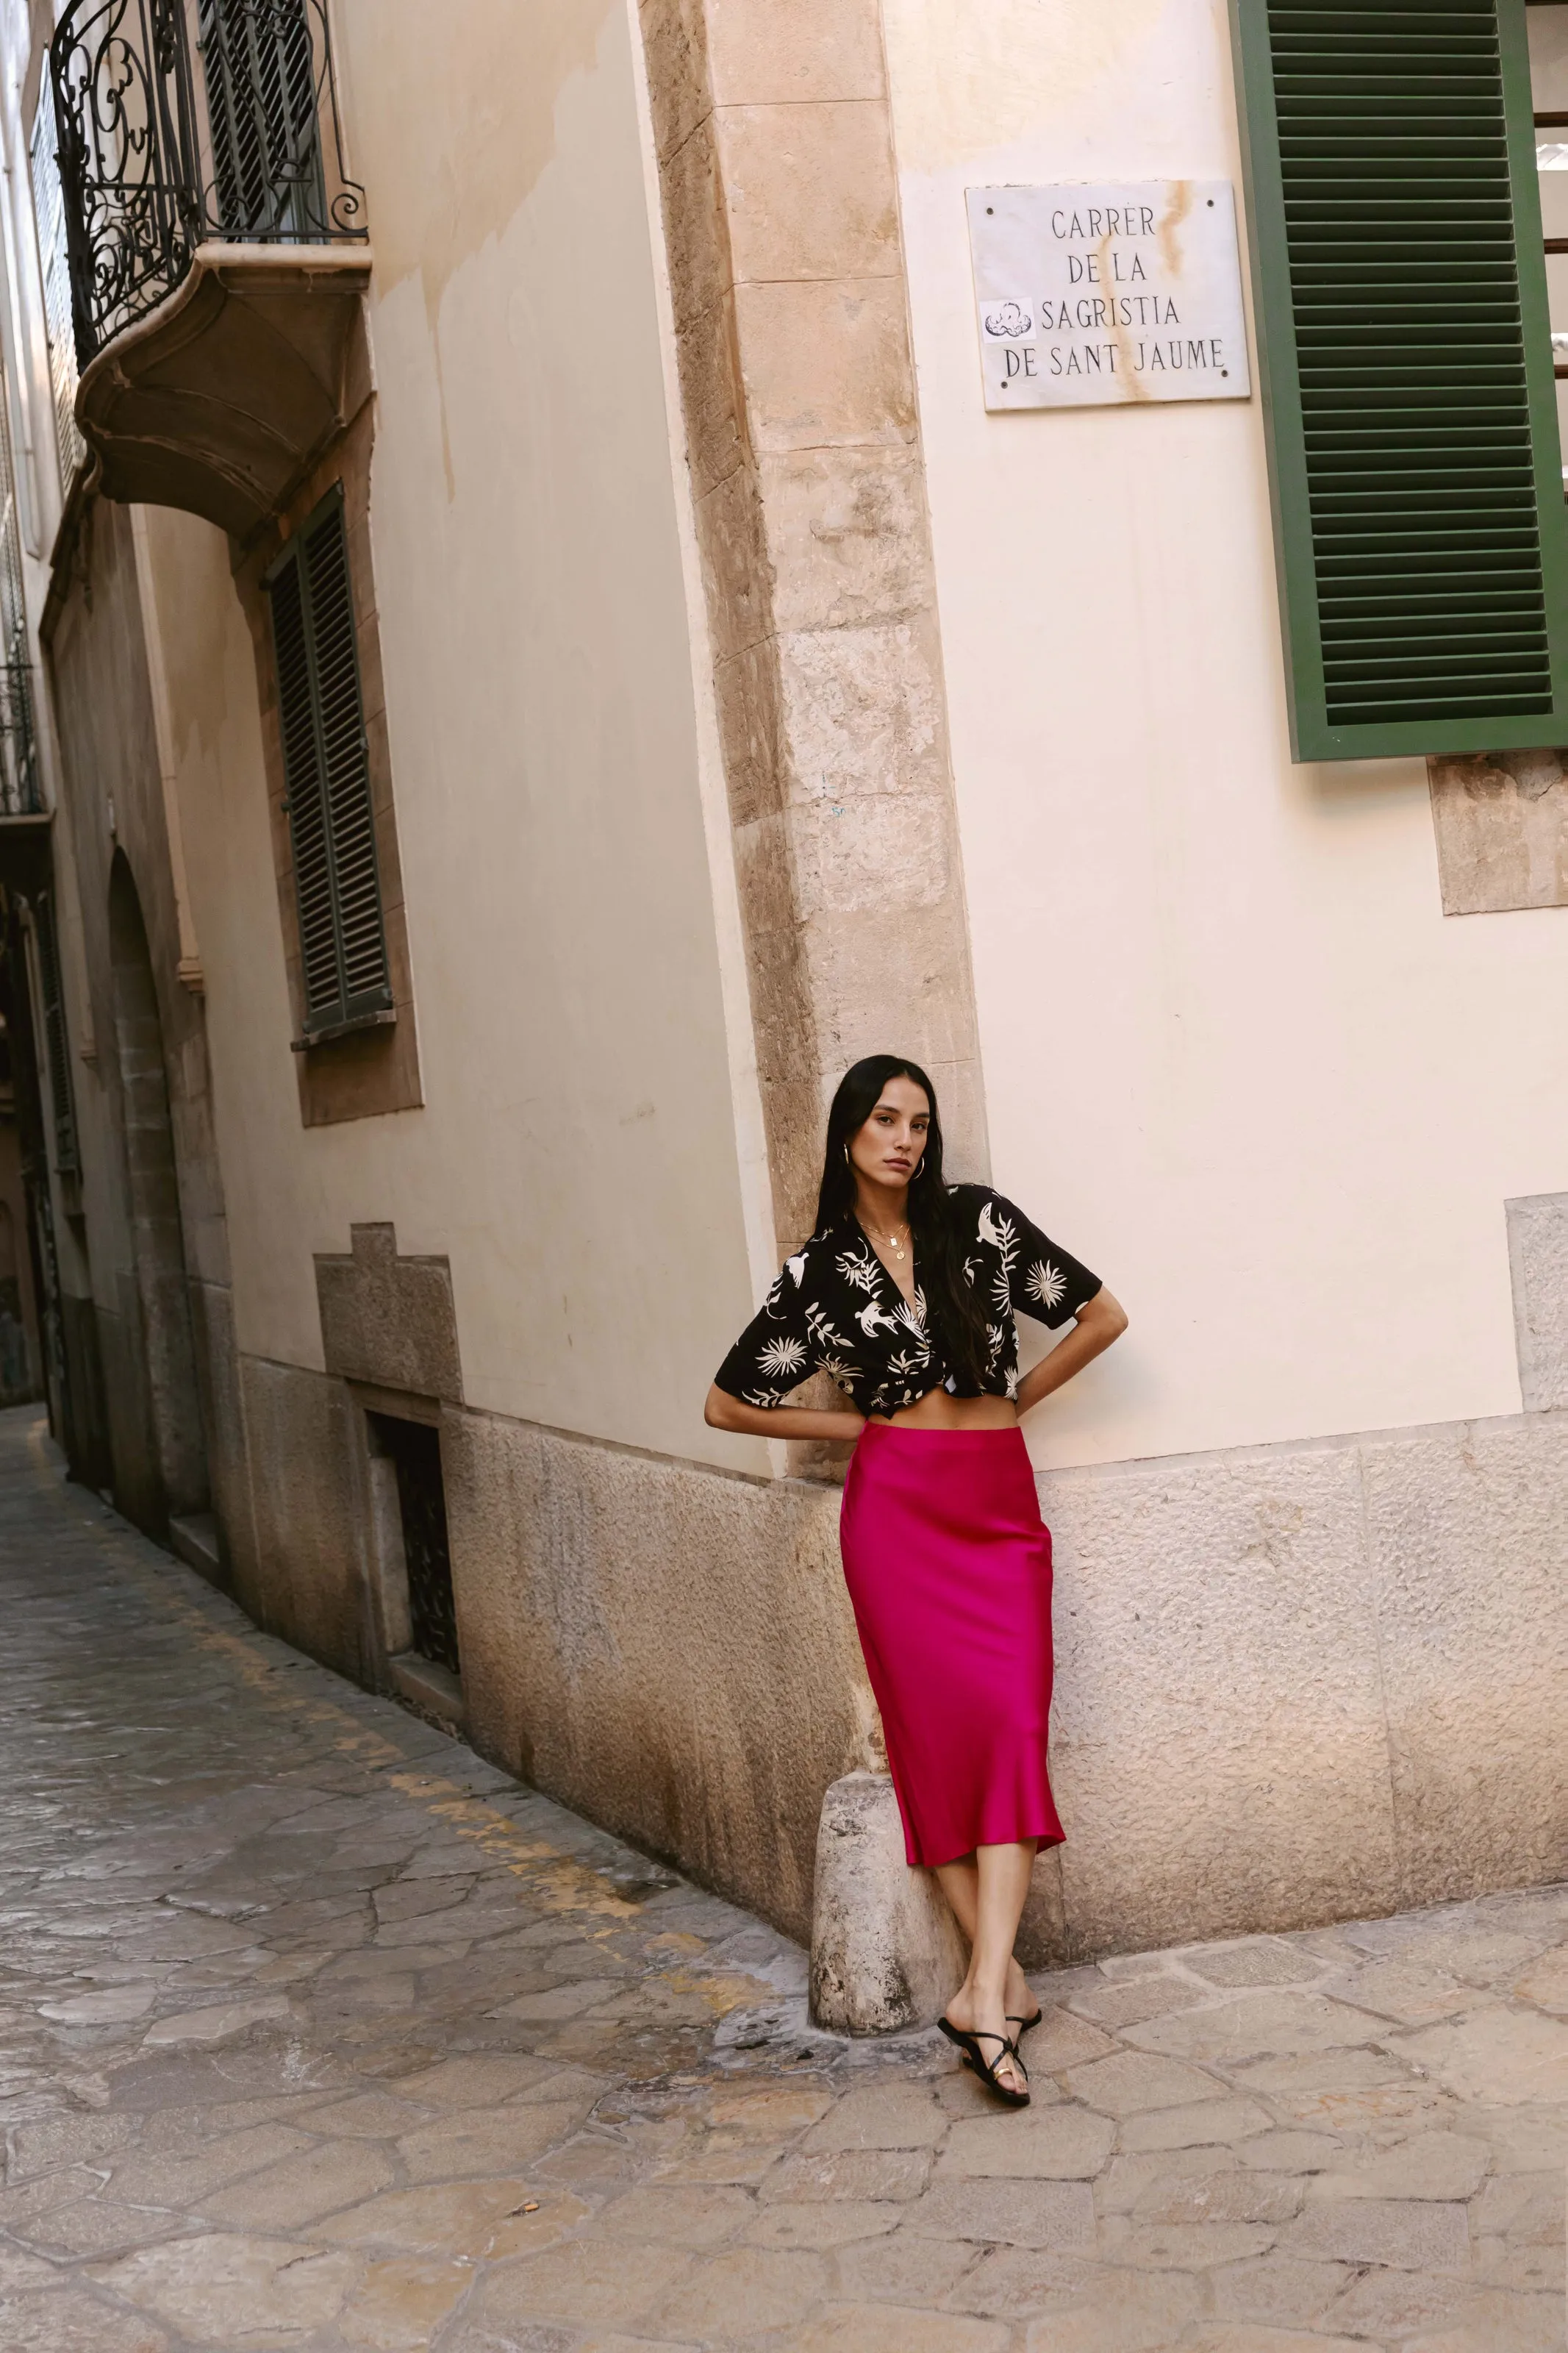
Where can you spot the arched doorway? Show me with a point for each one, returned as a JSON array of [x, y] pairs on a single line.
[[157, 1235]]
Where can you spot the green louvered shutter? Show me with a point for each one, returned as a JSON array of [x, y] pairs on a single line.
[[259, 65], [1407, 374], [326, 767]]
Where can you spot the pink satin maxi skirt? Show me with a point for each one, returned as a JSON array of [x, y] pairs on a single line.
[[949, 1568]]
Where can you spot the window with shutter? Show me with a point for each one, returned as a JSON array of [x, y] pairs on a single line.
[[1547, 23], [19, 793], [326, 767], [261, 72], [47, 939], [49, 207], [1407, 373]]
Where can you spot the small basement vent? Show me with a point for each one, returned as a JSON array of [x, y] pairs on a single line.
[[415, 1450]]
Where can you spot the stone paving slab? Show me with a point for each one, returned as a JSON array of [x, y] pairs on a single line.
[[317, 2032]]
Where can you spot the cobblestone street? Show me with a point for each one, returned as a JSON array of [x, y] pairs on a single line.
[[319, 2033]]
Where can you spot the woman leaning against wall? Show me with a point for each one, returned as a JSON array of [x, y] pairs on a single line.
[[907, 1294]]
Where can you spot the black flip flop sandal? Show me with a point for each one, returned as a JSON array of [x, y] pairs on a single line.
[[1025, 2025], [986, 2068]]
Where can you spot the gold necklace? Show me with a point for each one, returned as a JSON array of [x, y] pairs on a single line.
[[889, 1242]]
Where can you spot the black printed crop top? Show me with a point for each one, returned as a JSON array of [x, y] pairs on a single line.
[[835, 1309]]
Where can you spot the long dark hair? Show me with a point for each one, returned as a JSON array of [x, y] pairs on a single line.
[[952, 1306]]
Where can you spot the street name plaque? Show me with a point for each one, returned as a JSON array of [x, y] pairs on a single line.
[[1091, 296]]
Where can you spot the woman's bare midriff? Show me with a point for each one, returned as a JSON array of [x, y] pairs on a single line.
[[939, 1410]]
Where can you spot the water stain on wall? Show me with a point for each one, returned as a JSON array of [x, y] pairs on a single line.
[[449, 137], [431, 88]]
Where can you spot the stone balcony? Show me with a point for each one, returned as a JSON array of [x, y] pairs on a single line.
[[222, 398], [219, 256]]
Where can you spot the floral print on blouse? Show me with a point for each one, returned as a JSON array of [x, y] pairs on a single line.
[[835, 1309]]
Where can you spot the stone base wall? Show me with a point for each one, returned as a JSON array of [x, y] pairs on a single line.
[[302, 1565], [1304, 1683], [1295, 1684], [111, 1442], [223, 1421], [666, 1649]]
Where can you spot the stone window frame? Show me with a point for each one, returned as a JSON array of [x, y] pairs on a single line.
[[369, 1071]]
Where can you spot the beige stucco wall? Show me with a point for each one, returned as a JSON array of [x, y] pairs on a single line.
[[1233, 1053], [1236, 1055], [579, 1158]]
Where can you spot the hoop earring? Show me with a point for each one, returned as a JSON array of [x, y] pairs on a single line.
[[846, 1152]]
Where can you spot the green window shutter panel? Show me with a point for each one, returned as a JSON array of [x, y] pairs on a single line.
[[1407, 374], [326, 767], [259, 65], [68, 1160]]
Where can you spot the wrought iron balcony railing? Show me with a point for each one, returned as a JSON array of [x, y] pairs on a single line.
[[157, 159]]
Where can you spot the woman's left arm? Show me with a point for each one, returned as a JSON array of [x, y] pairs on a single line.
[[1099, 1321]]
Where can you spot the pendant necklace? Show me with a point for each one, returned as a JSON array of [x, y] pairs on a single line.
[[890, 1242]]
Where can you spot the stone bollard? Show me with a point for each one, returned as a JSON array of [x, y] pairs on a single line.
[[886, 1952]]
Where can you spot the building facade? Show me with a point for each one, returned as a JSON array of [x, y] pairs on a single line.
[[548, 646]]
